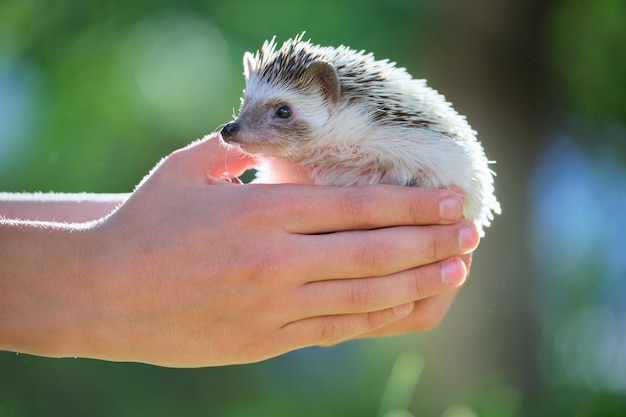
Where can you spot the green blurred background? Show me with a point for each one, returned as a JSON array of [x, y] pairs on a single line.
[[94, 93]]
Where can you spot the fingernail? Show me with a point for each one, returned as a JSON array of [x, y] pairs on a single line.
[[449, 209], [403, 309], [452, 272], [468, 238]]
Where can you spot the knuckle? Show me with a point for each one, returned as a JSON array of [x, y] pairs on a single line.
[[357, 208], [267, 269], [443, 242], [419, 283], [423, 207], [332, 331], [436, 247], [361, 296], [372, 256], [264, 267], [256, 206], [372, 320], [416, 212], [271, 268]]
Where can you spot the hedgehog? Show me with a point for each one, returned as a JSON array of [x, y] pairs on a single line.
[[337, 116]]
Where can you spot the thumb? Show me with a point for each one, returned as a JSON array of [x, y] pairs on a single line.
[[209, 156]]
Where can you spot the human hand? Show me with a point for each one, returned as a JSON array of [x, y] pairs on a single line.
[[428, 312], [200, 274]]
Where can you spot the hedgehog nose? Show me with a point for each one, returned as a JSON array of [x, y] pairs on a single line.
[[230, 129]]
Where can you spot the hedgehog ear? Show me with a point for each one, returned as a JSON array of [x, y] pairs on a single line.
[[249, 64], [326, 74]]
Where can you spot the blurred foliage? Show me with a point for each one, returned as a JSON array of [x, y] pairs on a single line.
[[93, 94], [585, 47]]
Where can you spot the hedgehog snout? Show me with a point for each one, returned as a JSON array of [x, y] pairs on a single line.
[[230, 129]]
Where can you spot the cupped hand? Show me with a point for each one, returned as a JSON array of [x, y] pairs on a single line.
[[213, 273]]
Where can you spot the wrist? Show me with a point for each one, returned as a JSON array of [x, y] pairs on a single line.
[[45, 282], [95, 319]]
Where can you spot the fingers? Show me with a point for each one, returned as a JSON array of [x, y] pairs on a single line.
[[426, 315], [310, 209], [357, 254], [208, 156], [330, 330], [378, 293], [408, 301]]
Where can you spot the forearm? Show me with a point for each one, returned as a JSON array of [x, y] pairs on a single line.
[[46, 276], [55, 207]]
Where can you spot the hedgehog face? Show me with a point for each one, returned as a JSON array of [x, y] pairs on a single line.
[[277, 120], [290, 95]]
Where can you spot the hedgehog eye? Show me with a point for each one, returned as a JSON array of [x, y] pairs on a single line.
[[283, 112]]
